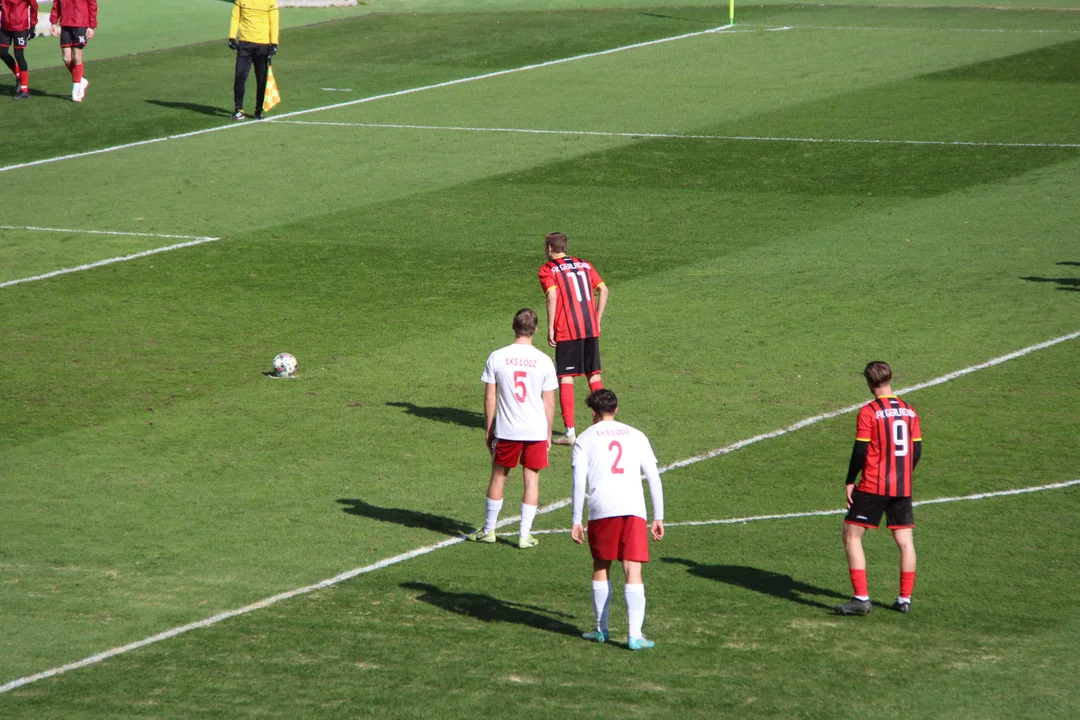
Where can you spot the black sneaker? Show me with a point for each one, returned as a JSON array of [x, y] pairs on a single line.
[[21, 94], [238, 115], [904, 607], [258, 115], [855, 607]]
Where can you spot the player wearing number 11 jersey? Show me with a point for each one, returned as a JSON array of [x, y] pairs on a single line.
[[609, 459], [519, 408], [888, 445]]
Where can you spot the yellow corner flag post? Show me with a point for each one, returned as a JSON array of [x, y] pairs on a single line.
[[731, 12], [272, 96]]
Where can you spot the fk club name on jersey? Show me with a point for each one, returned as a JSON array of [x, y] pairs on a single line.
[[571, 266], [520, 362], [610, 433], [894, 412]]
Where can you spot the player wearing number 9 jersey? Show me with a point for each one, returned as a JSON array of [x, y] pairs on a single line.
[[609, 459], [888, 445], [519, 408]]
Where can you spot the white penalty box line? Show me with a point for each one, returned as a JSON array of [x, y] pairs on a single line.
[[190, 241], [373, 98], [267, 602], [681, 136]]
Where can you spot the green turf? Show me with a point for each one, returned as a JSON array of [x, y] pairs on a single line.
[[152, 476]]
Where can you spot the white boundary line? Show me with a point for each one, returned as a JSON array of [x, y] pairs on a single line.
[[93, 659], [372, 98], [677, 136], [108, 261]]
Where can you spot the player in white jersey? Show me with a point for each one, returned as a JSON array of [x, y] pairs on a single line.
[[519, 408], [609, 458]]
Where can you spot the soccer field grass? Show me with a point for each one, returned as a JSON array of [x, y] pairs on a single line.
[[772, 206]]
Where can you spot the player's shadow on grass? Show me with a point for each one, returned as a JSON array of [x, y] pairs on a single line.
[[489, 609], [192, 107], [456, 416], [1064, 283], [408, 518], [6, 91], [763, 581]]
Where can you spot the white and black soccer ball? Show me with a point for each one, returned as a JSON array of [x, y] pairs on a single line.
[[284, 365]]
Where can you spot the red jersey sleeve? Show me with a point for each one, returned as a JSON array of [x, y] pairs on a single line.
[[54, 14], [33, 13], [594, 277], [547, 279], [91, 6], [916, 429], [864, 426]]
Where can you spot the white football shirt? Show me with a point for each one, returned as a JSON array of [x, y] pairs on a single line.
[[521, 374], [609, 457]]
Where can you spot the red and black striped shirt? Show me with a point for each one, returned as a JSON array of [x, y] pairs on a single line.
[[891, 426], [575, 312]]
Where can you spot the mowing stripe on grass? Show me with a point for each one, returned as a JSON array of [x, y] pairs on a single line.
[[93, 659], [108, 261], [818, 513], [372, 98], [680, 136]]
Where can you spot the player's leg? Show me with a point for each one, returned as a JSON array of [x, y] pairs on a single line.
[[569, 359], [22, 90], [592, 364], [634, 552], [240, 75], [492, 503], [860, 604], [261, 60], [5, 56], [601, 597], [905, 541], [530, 499]]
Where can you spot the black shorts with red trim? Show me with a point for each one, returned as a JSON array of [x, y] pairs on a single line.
[[867, 508], [73, 37], [577, 357], [18, 38]]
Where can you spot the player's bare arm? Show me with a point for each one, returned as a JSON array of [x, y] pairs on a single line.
[[601, 303], [577, 532], [657, 529], [491, 401], [552, 306], [549, 410]]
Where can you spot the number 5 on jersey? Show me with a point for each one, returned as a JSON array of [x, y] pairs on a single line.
[[519, 384]]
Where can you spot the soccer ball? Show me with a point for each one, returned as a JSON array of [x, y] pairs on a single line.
[[284, 365]]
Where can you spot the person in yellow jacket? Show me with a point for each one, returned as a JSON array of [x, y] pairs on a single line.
[[253, 34]]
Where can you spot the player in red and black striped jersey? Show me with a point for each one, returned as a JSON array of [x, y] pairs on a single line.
[[576, 298], [18, 23], [888, 445]]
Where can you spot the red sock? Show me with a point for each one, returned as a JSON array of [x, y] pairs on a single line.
[[24, 79], [566, 403], [907, 583], [595, 384], [76, 72], [858, 583]]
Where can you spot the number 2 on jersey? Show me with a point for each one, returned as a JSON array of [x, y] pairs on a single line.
[[615, 469]]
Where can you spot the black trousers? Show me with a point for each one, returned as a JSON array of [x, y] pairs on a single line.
[[248, 54]]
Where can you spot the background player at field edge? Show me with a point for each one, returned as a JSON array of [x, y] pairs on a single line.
[[75, 23], [608, 460], [519, 410], [253, 35], [18, 23], [888, 446], [574, 319]]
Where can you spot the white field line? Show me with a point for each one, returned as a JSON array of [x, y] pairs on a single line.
[[818, 513], [109, 261], [857, 28], [372, 98], [93, 659], [679, 136]]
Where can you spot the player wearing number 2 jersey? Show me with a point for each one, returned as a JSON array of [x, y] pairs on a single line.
[[576, 298], [609, 459], [888, 445], [519, 408]]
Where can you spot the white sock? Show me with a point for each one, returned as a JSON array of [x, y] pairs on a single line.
[[635, 608], [569, 431], [902, 599], [862, 598], [601, 600], [528, 512], [491, 514]]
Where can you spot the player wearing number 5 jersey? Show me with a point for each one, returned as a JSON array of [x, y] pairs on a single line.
[[576, 298], [888, 445], [609, 459], [519, 408]]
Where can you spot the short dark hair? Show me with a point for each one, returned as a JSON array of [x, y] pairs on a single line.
[[525, 322], [603, 402], [877, 373], [556, 241]]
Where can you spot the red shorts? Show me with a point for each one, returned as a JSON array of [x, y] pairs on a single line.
[[532, 454], [619, 538]]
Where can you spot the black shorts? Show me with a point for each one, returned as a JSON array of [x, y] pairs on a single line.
[[867, 508], [577, 357], [18, 38], [73, 37]]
